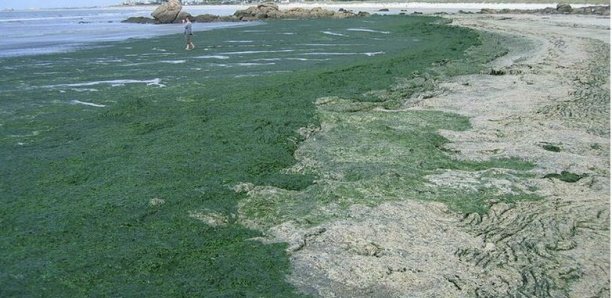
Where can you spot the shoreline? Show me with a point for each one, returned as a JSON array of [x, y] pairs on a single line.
[[545, 102], [443, 7]]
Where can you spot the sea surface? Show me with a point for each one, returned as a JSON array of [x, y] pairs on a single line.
[[32, 32]]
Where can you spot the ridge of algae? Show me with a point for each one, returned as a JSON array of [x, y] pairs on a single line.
[[364, 153]]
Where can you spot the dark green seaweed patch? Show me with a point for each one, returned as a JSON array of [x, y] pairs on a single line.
[[551, 148], [565, 176], [78, 182]]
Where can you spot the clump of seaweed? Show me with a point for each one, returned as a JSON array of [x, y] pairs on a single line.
[[566, 176]]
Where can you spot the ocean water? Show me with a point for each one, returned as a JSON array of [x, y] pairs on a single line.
[[35, 32]]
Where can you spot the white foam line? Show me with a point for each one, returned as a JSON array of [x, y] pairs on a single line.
[[108, 60], [329, 54], [332, 33], [239, 41], [367, 30], [268, 59], [173, 61], [85, 90], [289, 58], [306, 59], [341, 54], [247, 75], [213, 57], [320, 44], [256, 52], [260, 73], [153, 82], [254, 64], [91, 104]]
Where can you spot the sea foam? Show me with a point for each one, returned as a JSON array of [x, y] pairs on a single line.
[[332, 33], [153, 82], [367, 30], [91, 104], [213, 57]]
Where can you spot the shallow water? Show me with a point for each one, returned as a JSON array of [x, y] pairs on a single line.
[[60, 30]]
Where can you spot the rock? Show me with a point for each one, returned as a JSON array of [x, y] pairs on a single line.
[[383, 9], [271, 11], [205, 18], [603, 10], [319, 12], [170, 12], [261, 11], [167, 12], [139, 20], [488, 11], [564, 8], [183, 15]]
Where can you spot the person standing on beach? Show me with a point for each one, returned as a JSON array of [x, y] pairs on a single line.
[[188, 34]]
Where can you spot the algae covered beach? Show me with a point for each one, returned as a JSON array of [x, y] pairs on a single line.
[[302, 158]]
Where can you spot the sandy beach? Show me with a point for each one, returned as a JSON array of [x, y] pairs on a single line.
[[552, 88]]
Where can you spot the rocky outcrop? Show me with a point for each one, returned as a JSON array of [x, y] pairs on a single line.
[[139, 20], [209, 18], [183, 15], [271, 11], [564, 8], [167, 12], [560, 9], [261, 11]]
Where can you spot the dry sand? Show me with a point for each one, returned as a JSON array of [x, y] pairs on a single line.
[[554, 91]]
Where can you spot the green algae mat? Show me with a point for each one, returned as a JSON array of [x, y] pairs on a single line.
[[110, 155]]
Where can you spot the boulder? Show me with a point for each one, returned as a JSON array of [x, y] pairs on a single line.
[[183, 15], [261, 11], [139, 20], [564, 8], [319, 12], [593, 10], [206, 18], [488, 11], [167, 12], [271, 11]]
